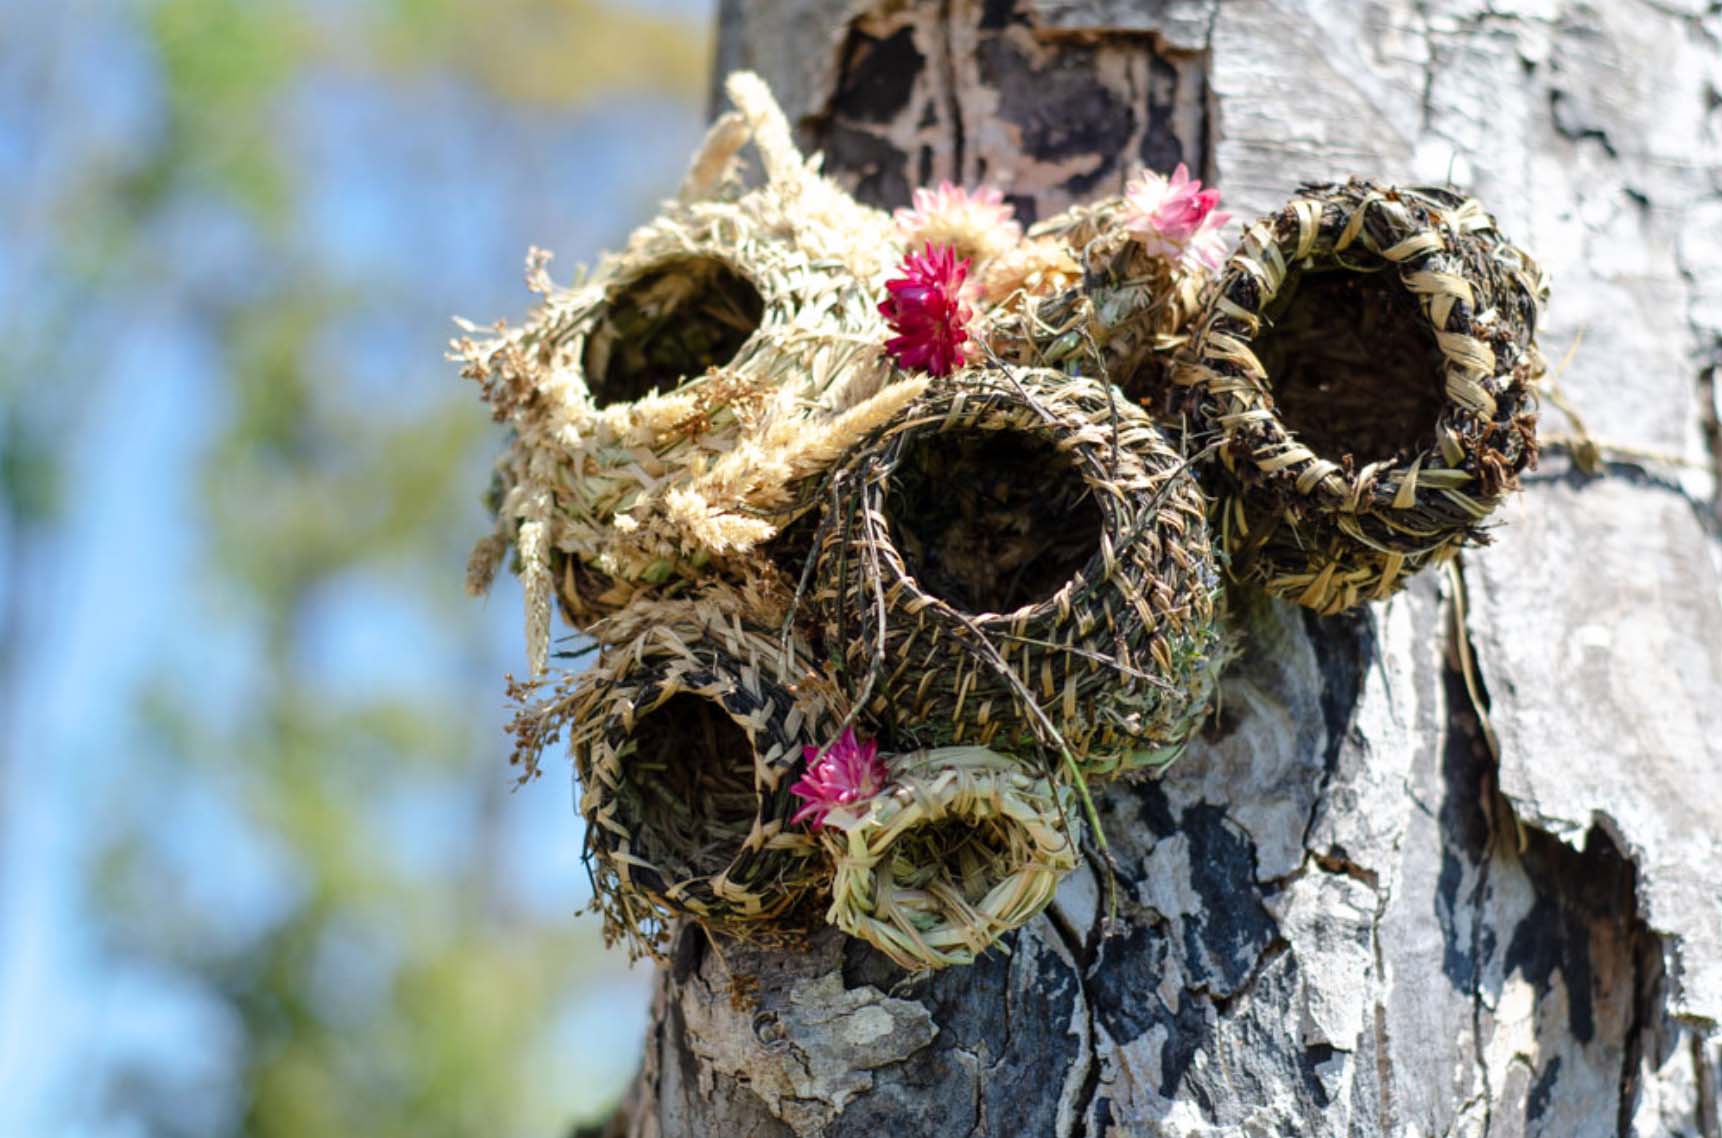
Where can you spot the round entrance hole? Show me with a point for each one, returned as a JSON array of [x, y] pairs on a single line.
[[670, 325], [1354, 366], [991, 520], [689, 787]]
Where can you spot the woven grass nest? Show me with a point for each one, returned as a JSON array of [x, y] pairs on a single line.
[[1367, 359], [661, 405], [685, 734], [814, 480], [1113, 309], [962, 846], [1019, 559]]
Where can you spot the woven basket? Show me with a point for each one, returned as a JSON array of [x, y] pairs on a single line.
[[1367, 359], [961, 847], [686, 739], [1116, 317], [1019, 555], [658, 406]]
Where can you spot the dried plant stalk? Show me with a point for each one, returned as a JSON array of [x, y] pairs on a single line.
[[1367, 361], [961, 847]]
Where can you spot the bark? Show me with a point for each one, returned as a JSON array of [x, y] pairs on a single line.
[[1444, 866]]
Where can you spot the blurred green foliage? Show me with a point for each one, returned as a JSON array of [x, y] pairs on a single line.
[[551, 52], [378, 999]]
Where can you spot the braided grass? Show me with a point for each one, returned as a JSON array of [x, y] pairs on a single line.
[[634, 395], [686, 739], [961, 847], [1369, 430], [1019, 551]]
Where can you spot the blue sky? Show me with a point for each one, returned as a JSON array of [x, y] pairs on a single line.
[[391, 193]]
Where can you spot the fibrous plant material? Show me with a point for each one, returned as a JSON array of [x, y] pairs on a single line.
[[1020, 560], [673, 322], [962, 846], [1096, 291], [660, 406], [1366, 361], [686, 735]]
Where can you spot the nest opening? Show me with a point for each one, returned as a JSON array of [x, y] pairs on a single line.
[[1354, 365], [992, 520], [969, 855], [671, 324], [689, 784]]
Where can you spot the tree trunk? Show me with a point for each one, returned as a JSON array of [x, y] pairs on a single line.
[[1444, 866]]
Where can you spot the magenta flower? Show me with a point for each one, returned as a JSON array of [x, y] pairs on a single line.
[[926, 310], [1175, 217], [851, 771]]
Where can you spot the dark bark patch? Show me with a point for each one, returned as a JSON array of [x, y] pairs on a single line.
[[1161, 150], [878, 76], [1191, 1033], [1224, 942], [1542, 1092], [1006, 1011], [878, 167], [1576, 895], [998, 14], [1122, 993], [928, 1087], [1155, 809], [1344, 646], [1061, 108], [1039, 1047], [1312, 1057], [1465, 772], [1458, 963], [1121, 982]]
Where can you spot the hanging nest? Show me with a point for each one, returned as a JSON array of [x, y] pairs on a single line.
[[661, 406], [686, 737], [1019, 558], [1367, 360], [961, 847]]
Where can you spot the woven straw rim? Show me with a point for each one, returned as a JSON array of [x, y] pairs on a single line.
[[932, 924], [771, 696], [1479, 294], [1112, 639]]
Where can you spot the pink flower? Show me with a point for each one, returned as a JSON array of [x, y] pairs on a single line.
[[1175, 217], [927, 311], [851, 771], [977, 224]]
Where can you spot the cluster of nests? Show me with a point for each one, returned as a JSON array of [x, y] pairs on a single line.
[[1011, 577]]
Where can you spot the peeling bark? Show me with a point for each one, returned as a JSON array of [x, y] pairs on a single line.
[[1368, 901]]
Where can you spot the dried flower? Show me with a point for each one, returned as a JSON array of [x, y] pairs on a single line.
[[851, 771], [977, 224], [1034, 268], [1175, 217], [926, 310]]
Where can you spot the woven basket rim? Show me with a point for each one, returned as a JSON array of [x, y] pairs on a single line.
[[1102, 663], [1295, 234], [755, 686], [930, 787], [940, 405]]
